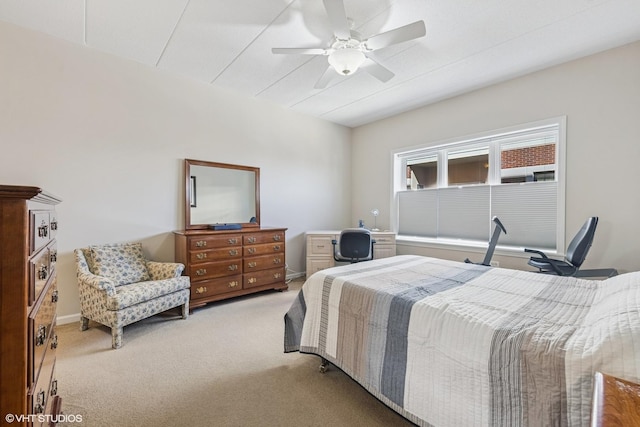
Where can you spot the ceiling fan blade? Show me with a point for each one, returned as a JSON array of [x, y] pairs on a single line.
[[338, 18], [376, 70], [399, 35], [325, 78], [299, 50]]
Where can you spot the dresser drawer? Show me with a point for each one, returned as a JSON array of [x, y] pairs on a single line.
[[41, 326], [263, 262], [210, 242], [320, 245], [211, 287], [43, 389], [39, 273], [212, 270], [263, 237], [40, 229], [264, 277], [197, 257], [269, 248]]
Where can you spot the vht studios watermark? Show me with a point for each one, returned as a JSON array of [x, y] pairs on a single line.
[[43, 418]]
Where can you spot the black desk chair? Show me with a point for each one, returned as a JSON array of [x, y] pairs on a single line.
[[576, 254], [356, 244], [492, 243]]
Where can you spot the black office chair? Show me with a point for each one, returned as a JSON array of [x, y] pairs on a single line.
[[356, 244], [492, 243], [576, 253]]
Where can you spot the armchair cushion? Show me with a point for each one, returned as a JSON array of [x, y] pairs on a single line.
[[123, 264], [136, 293]]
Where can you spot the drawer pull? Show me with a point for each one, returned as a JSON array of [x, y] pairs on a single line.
[[233, 284], [252, 239], [42, 272], [252, 264], [41, 335], [252, 280], [252, 250], [276, 247], [320, 246], [233, 252], [54, 388], [201, 256], [43, 230], [277, 275], [54, 342], [233, 267], [201, 243], [277, 237], [201, 290], [233, 241], [53, 257], [54, 225], [201, 272], [39, 406], [277, 260], [54, 296]]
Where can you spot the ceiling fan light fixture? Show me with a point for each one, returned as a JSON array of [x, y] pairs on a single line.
[[347, 60]]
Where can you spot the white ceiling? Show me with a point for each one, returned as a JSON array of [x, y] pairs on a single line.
[[469, 44]]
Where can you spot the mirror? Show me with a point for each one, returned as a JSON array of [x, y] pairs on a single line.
[[219, 193]]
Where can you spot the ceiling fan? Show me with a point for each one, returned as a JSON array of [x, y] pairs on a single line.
[[349, 51]]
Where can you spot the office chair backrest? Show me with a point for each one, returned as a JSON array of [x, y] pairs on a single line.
[[355, 243], [581, 243]]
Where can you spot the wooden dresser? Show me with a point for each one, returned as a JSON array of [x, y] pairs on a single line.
[[616, 402], [228, 263], [320, 249], [28, 297]]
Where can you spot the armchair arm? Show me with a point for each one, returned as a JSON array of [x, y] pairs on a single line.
[[164, 270], [99, 283]]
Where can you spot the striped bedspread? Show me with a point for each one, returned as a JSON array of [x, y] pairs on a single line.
[[453, 344]]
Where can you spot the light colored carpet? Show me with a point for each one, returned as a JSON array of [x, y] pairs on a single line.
[[224, 366]]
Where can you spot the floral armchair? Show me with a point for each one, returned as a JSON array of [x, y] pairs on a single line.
[[118, 286]]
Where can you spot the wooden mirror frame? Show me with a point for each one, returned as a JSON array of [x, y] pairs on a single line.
[[188, 196]]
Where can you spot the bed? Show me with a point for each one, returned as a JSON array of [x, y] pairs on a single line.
[[446, 343]]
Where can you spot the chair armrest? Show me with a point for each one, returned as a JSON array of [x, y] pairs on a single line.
[[164, 270], [533, 251], [98, 282]]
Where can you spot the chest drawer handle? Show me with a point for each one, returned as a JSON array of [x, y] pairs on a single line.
[[54, 342], [54, 388], [201, 256], [233, 284], [54, 225], [53, 257], [39, 406], [233, 267], [233, 241], [276, 247], [252, 264], [252, 250], [233, 252], [201, 243], [201, 272], [277, 237], [277, 260], [54, 296], [201, 290], [252, 280], [43, 230], [41, 335], [42, 272]]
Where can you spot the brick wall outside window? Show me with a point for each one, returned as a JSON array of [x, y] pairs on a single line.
[[529, 156]]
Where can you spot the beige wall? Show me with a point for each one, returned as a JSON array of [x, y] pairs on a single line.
[[600, 95], [109, 136]]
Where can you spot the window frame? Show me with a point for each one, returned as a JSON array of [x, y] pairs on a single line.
[[495, 139]]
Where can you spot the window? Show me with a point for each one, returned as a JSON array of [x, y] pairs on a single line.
[[449, 192]]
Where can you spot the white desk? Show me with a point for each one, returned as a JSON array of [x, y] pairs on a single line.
[[320, 249]]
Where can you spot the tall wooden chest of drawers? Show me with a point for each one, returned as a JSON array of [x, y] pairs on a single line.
[[227, 263], [28, 297]]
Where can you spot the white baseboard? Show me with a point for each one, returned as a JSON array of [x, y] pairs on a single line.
[[69, 318]]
